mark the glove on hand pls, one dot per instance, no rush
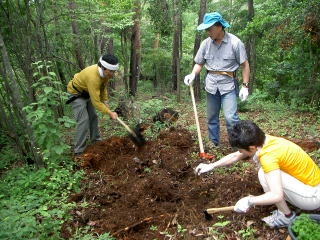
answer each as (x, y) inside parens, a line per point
(244, 93)
(188, 80)
(242, 205)
(203, 168)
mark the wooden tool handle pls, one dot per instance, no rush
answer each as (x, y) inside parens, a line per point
(222, 209)
(196, 118)
(127, 127)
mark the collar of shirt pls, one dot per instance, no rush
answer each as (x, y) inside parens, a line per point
(225, 38)
(255, 157)
(101, 72)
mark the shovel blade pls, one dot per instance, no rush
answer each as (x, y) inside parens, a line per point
(137, 138)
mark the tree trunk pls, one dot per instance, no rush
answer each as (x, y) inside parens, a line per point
(76, 38)
(40, 30)
(135, 59)
(250, 47)
(13, 119)
(197, 42)
(105, 45)
(25, 50)
(156, 41)
(124, 47)
(156, 46)
(176, 48)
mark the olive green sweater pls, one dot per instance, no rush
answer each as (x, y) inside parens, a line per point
(89, 80)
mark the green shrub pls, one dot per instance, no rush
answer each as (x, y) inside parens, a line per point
(42, 114)
(34, 203)
(306, 228)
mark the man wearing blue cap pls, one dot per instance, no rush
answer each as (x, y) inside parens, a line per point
(221, 53)
(87, 92)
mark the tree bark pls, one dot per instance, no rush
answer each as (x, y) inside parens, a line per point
(156, 41)
(197, 42)
(13, 119)
(105, 45)
(156, 46)
(76, 34)
(25, 50)
(176, 48)
(250, 47)
(126, 57)
(135, 58)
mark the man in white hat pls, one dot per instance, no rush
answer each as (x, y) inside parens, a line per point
(88, 91)
(221, 54)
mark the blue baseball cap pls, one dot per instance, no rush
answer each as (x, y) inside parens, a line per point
(211, 18)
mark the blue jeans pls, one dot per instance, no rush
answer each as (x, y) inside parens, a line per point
(228, 102)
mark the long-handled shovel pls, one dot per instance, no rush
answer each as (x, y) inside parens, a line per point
(202, 153)
(135, 136)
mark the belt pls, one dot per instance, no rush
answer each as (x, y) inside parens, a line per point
(74, 87)
(82, 94)
(229, 74)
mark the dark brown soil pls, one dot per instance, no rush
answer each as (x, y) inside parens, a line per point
(153, 193)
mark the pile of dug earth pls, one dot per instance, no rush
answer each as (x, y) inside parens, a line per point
(152, 192)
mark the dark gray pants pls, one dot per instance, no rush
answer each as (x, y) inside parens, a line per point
(87, 123)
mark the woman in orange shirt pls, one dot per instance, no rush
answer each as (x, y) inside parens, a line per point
(286, 173)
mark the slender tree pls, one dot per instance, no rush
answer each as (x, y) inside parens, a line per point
(126, 57)
(76, 33)
(135, 58)
(250, 46)
(176, 47)
(197, 42)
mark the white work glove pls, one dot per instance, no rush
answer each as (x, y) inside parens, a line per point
(188, 80)
(244, 93)
(203, 168)
(243, 205)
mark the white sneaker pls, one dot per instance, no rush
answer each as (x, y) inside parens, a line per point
(278, 219)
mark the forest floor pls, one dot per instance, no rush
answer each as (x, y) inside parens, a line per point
(152, 192)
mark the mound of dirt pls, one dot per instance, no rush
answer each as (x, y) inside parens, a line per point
(152, 193)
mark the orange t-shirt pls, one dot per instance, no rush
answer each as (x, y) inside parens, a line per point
(279, 153)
